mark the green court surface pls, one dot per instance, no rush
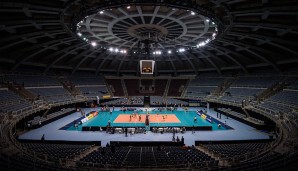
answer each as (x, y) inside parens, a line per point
(186, 119)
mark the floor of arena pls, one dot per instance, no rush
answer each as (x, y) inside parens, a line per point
(53, 130)
(176, 118)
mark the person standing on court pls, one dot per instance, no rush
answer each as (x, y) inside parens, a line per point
(109, 122)
(195, 119)
(182, 140)
(193, 129)
(125, 132)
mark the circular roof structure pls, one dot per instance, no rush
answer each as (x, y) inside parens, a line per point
(154, 27)
(181, 36)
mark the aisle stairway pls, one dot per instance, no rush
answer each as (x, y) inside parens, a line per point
(146, 101)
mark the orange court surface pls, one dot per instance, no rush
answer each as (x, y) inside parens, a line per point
(153, 118)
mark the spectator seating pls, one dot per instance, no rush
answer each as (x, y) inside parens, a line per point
(26, 162)
(284, 101)
(160, 89)
(238, 94)
(146, 157)
(269, 161)
(147, 83)
(115, 86)
(236, 91)
(103, 156)
(126, 101)
(52, 94)
(292, 82)
(32, 80)
(55, 152)
(256, 81)
(11, 102)
(88, 79)
(93, 91)
(286, 97)
(236, 149)
(274, 108)
(132, 87)
(152, 88)
(207, 81)
(232, 99)
(199, 91)
(158, 100)
(177, 87)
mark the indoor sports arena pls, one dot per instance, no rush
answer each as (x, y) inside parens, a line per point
(162, 85)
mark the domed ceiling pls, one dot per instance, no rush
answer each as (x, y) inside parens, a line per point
(111, 37)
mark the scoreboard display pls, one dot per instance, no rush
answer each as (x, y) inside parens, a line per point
(147, 67)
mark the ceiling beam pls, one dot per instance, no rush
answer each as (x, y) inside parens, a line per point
(41, 50)
(246, 48)
(65, 54)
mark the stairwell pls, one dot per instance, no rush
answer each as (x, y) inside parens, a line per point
(70, 87)
(147, 101)
(124, 88)
(245, 111)
(271, 91)
(72, 161)
(21, 91)
(185, 88)
(223, 87)
(167, 88)
(221, 162)
(108, 87)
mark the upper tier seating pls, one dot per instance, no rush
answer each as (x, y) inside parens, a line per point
(254, 81)
(87, 80)
(177, 87)
(32, 80)
(115, 86)
(274, 108)
(238, 94)
(160, 87)
(287, 97)
(234, 91)
(292, 82)
(207, 81)
(53, 94)
(199, 91)
(93, 91)
(132, 87)
(11, 102)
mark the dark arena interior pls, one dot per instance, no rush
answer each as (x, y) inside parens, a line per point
(148, 85)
